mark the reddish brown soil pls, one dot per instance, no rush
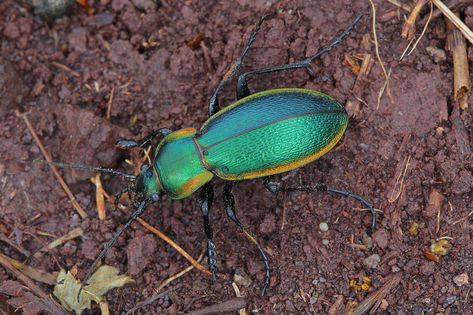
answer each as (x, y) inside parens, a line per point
(169, 84)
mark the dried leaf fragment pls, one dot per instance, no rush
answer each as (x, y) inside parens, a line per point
(104, 279)
(440, 247)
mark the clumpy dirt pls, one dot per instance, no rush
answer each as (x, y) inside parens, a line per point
(161, 61)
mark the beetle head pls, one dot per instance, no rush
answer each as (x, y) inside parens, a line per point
(146, 185)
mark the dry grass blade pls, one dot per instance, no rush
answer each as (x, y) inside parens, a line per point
(48, 158)
(463, 219)
(399, 185)
(376, 45)
(69, 236)
(455, 20)
(35, 274)
(461, 76)
(372, 301)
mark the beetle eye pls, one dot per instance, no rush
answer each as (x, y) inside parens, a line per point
(149, 173)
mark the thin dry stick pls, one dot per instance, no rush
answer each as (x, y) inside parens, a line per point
(181, 251)
(56, 309)
(372, 301)
(179, 274)
(65, 68)
(461, 77)
(48, 158)
(165, 238)
(376, 45)
(455, 20)
(110, 102)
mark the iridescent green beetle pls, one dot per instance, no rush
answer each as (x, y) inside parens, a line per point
(261, 134)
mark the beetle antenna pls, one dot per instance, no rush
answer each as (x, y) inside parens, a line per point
(140, 209)
(90, 168)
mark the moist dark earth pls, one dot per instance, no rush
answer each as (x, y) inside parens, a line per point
(161, 60)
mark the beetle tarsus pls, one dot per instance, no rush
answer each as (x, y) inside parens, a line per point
(233, 70)
(205, 201)
(274, 187)
(229, 203)
(360, 199)
(242, 81)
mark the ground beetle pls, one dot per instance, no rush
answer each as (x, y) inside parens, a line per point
(261, 134)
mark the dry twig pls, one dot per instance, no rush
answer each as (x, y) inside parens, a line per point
(178, 248)
(461, 77)
(455, 20)
(48, 158)
(420, 37)
(409, 28)
(69, 236)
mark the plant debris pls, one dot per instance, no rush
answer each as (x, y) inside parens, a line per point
(103, 280)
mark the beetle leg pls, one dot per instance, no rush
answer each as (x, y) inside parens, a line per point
(234, 68)
(242, 89)
(129, 143)
(275, 187)
(205, 201)
(229, 203)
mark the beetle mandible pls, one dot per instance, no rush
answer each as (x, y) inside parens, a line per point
(259, 135)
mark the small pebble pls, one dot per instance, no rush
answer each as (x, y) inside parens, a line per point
(461, 279)
(437, 54)
(325, 242)
(323, 226)
(242, 279)
(451, 299)
(384, 305)
(372, 261)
